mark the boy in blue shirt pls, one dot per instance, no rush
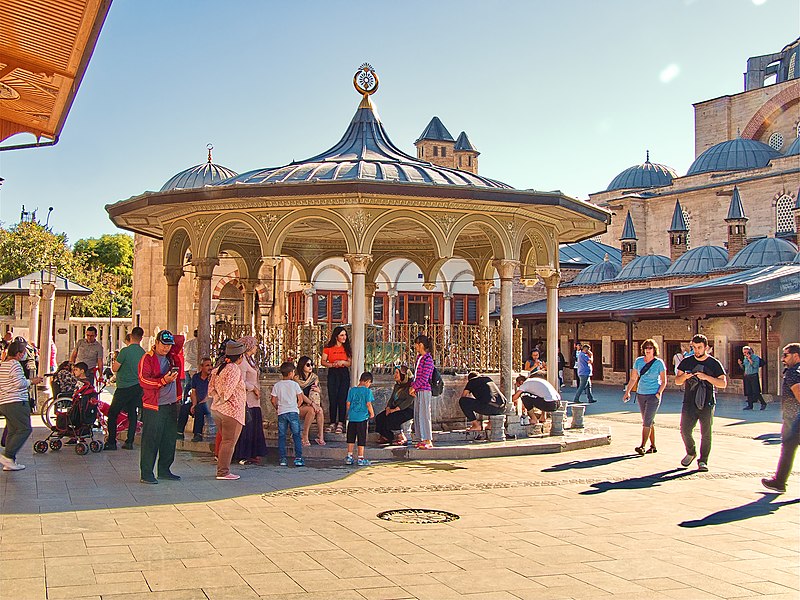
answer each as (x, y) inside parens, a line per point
(359, 412)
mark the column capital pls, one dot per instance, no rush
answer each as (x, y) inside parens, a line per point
(483, 285)
(48, 291)
(205, 266)
(551, 278)
(358, 262)
(173, 274)
(308, 289)
(392, 293)
(271, 261)
(34, 300)
(249, 285)
(429, 285)
(505, 267)
(370, 288)
(448, 295)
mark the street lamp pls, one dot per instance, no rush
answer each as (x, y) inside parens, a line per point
(110, 321)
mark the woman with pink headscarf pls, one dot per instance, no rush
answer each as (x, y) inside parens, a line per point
(251, 445)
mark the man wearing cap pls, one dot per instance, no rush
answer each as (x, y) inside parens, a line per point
(157, 376)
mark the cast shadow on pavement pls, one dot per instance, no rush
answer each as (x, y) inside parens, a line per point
(588, 464)
(769, 439)
(638, 483)
(759, 508)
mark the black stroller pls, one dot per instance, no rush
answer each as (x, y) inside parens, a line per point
(75, 418)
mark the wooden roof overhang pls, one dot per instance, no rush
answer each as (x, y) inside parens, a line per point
(45, 47)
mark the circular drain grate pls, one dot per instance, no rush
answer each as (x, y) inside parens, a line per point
(419, 516)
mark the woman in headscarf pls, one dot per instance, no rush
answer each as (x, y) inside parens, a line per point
(228, 390)
(251, 445)
(399, 409)
(311, 409)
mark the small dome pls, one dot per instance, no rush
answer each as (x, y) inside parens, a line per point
(733, 155)
(199, 176)
(642, 176)
(794, 148)
(765, 252)
(641, 267)
(602, 271)
(797, 259)
(699, 261)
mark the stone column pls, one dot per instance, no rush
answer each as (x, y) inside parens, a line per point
(505, 268)
(173, 275)
(308, 294)
(48, 302)
(551, 280)
(392, 293)
(250, 303)
(205, 271)
(483, 285)
(358, 268)
(33, 321)
(369, 314)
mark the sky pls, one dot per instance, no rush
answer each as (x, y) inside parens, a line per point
(556, 95)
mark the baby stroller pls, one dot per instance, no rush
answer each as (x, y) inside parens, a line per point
(74, 418)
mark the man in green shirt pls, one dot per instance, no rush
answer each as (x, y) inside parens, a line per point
(128, 395)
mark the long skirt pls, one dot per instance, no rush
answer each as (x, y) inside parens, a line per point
(251, 442)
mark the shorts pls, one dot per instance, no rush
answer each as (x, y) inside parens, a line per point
(530, 401)
(357, 431)
(648, 406)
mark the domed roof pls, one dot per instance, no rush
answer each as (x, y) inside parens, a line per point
(602, 271)
(699, 261)
(733, 155)
(642, 176)
(365, 153)
(199, 176)
(641, 267)
(794, 148)
(765, 252)
(797, 259)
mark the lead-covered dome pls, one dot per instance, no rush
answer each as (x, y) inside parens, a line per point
(642, 267)
(764, 253)
(699, 261)
(733, 155)
(645, 175)
(794, 148)
(593, 274)
(199, 176)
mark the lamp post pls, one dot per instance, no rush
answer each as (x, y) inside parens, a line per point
(33, 325)
(110, 325)
(48, 306)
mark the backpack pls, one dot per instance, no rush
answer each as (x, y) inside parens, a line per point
(437, 383)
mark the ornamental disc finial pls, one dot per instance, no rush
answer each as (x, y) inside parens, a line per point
(366, 80)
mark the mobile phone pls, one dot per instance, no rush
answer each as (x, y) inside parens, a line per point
(174, 370)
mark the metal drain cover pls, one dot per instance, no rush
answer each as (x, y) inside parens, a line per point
(419, 516)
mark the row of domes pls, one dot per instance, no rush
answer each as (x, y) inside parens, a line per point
(732, 155)
(697, 261)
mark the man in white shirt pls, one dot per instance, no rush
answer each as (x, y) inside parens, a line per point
(537, 392)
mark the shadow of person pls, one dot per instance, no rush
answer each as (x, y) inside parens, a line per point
(588, 464)
(769, 439)
(759, 508)
(638, 483)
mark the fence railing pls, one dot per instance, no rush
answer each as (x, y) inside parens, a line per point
(458, 347)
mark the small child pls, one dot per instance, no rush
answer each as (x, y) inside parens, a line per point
(286, 398)
(359, 412)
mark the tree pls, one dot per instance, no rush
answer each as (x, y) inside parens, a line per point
(29, 247)
(106, 265)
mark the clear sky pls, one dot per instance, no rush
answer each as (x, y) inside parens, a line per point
(555, 94)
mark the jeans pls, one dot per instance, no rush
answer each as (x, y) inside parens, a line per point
(422, 415)
(18, 426)
(129, 401)
(690, 415)
(200, 413)
(229, 430)
(790, 438)
(289, 420)
(338, 386)
(159, 432)
(469, 406)
(585, 384)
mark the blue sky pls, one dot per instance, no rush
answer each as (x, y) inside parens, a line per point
(555, 94)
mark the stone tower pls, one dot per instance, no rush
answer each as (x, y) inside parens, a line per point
(678, 231)
(628, 239)
(737, 224)
(436, 145)
(466, 156)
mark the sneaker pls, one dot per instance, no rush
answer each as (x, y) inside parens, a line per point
(149, 480)
(774, 485)
(592, 401)
(299, 462)
(363, 462)
(170, 476)
(13, 466)
(349, 460)
(127, 446)
(180, 436)
(110, 446)
(748, 408)
(687, 460)
(701, 466)
(283, 463)
(197, 438)
(5, 461)
(764, 406)
(228, 477)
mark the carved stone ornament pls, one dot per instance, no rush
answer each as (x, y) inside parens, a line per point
(505, 268)
(358, 262)
(446, 221)
(268, 220)
(360, 221)
(200, 224)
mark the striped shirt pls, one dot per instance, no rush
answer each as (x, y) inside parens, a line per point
(13, 385)
(423, 372)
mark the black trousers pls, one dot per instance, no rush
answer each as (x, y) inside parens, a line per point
(472, 405)
(338, 386)
(752, 389)
(127, 400)
(690, 415)
(159, 433)
(357, 431)
(790, 439)
(530, 401)
(386, 425)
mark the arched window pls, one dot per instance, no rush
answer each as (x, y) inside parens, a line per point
(688, 228)
(784, 217)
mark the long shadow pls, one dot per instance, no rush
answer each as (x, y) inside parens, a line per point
(760, 508)
(638, 483)
(769, 439)
(588, 464)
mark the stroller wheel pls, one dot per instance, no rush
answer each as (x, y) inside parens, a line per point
(55, 445)
(95, 446)
(40, 447)
(81, 448)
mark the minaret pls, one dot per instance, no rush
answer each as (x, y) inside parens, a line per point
(628, 239)
(796, 212)
(678, 231)
(436, 145)
(737, 224)
(466, 156)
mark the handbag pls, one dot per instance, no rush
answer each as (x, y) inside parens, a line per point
(641, 374)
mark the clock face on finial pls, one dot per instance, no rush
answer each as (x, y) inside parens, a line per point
(7, 92)
(366, 80)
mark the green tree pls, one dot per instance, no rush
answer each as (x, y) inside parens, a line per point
(29, 247)
(106, 266)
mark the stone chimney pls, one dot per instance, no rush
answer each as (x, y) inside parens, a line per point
(436, 145)
(678, 233)
(628, 239)
(737, 224)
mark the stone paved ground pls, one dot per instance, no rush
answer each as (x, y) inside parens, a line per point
(595, 523)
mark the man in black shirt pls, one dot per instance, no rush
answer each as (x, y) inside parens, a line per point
(481, 395)
(790, 431)
(700, 374)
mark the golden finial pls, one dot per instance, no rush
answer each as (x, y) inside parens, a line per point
(366, 83)
(210, 148)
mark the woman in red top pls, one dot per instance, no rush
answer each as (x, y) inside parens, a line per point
(337, 356)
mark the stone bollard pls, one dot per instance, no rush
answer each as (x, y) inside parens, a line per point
(498, 431)
(557, 425)
(578, 410)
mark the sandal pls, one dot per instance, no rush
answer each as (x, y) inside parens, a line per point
(424, 446)
(320, 441)
(329, 428)
(651, 450)
(339, 428)
(639, 450)
(306, 443)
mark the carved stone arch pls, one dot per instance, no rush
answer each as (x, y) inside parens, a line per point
(385, 276)
(303, 268)
(421, 219)
(232, 278)
(538, 247)
(331, 267)
(283, 226)
(780, 102)
(178, 238)
(247, 262)
(379, 261)
(481, 267)
(215, 232)
(497, 235)
(467, 274)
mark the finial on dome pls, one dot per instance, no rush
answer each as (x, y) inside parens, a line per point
(647, 159)
(606, 258)
(210, 148)
(366, 83)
